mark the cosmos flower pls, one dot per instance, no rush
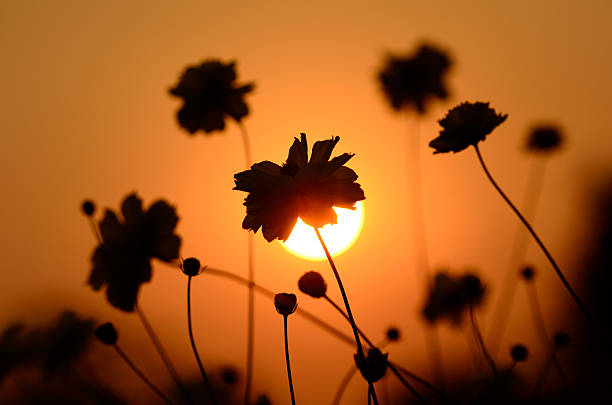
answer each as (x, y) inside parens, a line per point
(451, 296)
(210, 94)
(313, 284)
(410, 82)
(544, 138)
(107, 334)
(374, 366)
(191, 267)
(285, 303)
(465, 125)
(122, 261)
(302, 188)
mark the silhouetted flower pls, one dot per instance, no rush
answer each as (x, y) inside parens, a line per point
(210, 94)
(107, 334)
(313, 284)
(451, 296)
(465, 125)
(123, 260)
(229, 375)
(303, 188)
(262, 400)
(374, 366)
(285, 304)
(544, 138)
(191, 266)
(519, 352)
(561, 340)
(393, 334)
(410, 82)
(13, 352)
(528, 273)
(88, 208)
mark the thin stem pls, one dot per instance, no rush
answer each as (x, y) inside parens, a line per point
(343, 384)
(193, 345)
(162, 352)
(406, 383)
(337, 308)
(480, 341)
(396, 369)
(369, 395)
(505, 298)
(251, 269)
(288, 363)
(94, 229)
(535, 236)
(141, 375)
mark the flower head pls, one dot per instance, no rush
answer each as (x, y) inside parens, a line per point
(302, 188)
(519, 352)
(285, 304)
(122, 261)
(191, 267)
(544, 138)
(410, 82)
(88, 207)
(374, 366)
(107, 334)
(465, 125)
(393, 334)
(313, 284)
(528, 273)
(210, 94)
(451, 296)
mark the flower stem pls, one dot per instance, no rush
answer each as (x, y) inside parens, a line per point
(141, 375)
(505, 299)
(162, 352)
(360, 353)
(213, 400)
(251, 269)
(535, 236)
(288, 363)
(480, 341)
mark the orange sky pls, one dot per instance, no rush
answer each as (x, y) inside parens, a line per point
(85, 113)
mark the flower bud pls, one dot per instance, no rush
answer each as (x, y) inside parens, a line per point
(528, 273)
(88, 208)
(374, 366)
(107, 334)
(312, 283)
(393, 334)
(561, 340)
(285, 303)
(191, 266)
(519, 352)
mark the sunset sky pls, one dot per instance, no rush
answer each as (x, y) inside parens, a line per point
(86, 113)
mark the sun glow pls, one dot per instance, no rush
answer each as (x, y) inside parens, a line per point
(303, 241)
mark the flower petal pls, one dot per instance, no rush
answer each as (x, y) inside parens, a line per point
(298, 156)
(110, 227)
(322, 150)
(131, 208)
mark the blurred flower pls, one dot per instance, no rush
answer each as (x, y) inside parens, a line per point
(107, 334)
(302, 188)
(465, 125)
(285, 304)
(519, 352)
(451, 296)
(13, 352)
(544, 138)
(313, 284)
(528, 273)
(393, 334)
(410, 82)
(123, 260)
(262, 400)
(374, 366)
(210, 93)
(191, 266)
(88, 208)
(561, 340)
(229, 375)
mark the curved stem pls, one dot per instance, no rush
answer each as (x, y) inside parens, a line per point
(480, 341)
(505, 299)
(343, 384)
(141, 375)
(162, 352)
(251, 294)
(193, 345)
(288, 363)
(535, 236)
(360, 353)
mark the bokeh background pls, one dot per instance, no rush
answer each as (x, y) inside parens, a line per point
(85, 113)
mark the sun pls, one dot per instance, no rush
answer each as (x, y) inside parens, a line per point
(303, 241)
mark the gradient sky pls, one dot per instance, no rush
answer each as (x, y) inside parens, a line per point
(85, 113)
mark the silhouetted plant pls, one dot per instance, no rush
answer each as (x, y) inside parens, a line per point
(519, 352)
(210, 94)
(411, 82)
(122, 261)
(466, 125)
(561, 340)
(301, 187)
(393, 334)
(451, 297)
(312, 283)
(544, 139)
(285, 305)
(374, 366)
